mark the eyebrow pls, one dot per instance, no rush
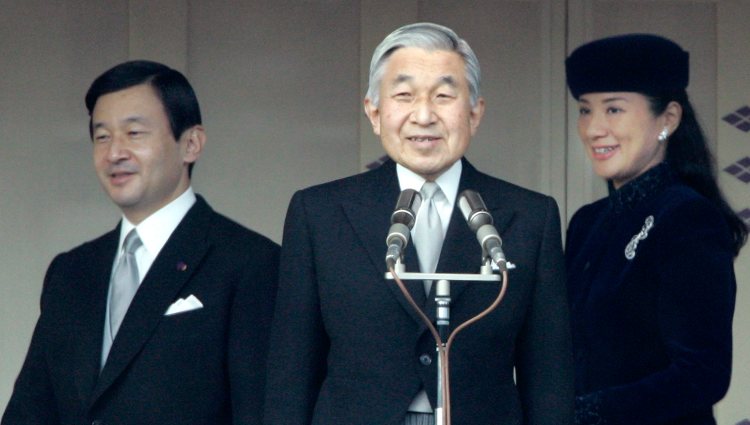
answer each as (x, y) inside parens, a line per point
(449, 80)
(614, 98)
(134, 119)
(401, 78)
(446, 79)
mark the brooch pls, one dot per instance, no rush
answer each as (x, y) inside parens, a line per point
(643, 234)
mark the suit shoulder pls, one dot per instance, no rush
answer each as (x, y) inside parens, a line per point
(322, 196)
(588, 211)
(346, 184)
(511, 192)
(681, 207)
(229, 232)
(681, 196)
(89, 247)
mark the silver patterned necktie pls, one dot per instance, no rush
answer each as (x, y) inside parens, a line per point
(125, 282)
(428, 231)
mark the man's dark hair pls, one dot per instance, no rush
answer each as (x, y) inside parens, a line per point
(174, 90)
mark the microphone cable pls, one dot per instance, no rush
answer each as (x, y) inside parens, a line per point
(444, 349)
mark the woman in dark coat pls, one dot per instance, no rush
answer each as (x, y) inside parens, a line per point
(650, 268)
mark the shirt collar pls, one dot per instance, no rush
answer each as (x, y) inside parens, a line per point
(156, 229)
(448, 181)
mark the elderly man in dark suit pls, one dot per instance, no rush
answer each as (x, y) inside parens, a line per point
(163, 320)
(345, 346)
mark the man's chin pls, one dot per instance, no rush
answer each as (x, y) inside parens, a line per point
(428, 172)
(124, 202)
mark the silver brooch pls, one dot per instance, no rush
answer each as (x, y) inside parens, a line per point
(643, 234)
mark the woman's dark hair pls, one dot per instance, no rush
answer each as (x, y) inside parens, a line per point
(689, 157)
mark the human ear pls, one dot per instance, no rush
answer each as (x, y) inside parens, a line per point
(475, 117)
(194, 139)
(672, 116)
(373, 114)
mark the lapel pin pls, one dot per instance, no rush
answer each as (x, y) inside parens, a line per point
(181, 266)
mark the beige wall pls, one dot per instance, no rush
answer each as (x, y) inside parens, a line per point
(716, 34)
(281, 84)
(733, 91)
(50, 198)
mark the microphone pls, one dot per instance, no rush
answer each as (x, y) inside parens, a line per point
(402, 220)
(480, 222)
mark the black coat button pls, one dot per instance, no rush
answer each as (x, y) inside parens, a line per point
(425, 359)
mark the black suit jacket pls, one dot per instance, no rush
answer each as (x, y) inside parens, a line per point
(346, 348)
(204, 366)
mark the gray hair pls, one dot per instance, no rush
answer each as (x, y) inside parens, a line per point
(427, 36)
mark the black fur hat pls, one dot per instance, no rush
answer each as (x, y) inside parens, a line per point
(643, 63)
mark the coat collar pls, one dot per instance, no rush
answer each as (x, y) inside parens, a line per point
(640, 189)
(369, 217)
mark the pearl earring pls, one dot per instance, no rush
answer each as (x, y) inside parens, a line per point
(663, 135)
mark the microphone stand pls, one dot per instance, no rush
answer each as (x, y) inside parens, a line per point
(442, 315)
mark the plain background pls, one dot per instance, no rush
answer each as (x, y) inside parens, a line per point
(281, 84)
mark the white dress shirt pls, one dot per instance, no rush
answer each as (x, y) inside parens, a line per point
(154, 232)
(448, 182)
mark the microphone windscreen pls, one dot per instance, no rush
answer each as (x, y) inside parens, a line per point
(407, 205)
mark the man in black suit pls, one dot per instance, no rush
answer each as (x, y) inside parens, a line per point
(172, 327)
(345, 346)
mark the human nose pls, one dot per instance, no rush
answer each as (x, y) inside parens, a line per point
(592, 126)
(423, 113)
(118, 149)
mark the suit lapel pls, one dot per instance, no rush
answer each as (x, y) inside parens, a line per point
(95, 283)
(173, 267)
(493, 197)
(461, 252)
(369, 216)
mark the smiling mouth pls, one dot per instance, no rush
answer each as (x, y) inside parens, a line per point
(120, 177)
(604, 150)
(422, 139)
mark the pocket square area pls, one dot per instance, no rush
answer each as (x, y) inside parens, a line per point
(184, 304)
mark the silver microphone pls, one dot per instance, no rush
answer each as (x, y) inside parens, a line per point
(480, 222)
(402, 220)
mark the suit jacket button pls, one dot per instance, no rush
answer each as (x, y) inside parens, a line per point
(96, 422)
(425, 359)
